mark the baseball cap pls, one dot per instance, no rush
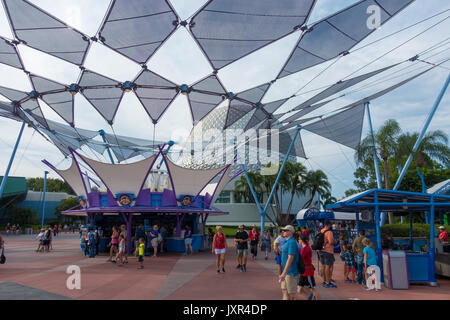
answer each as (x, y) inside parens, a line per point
(288, 228)
(241, 226)
(441, 227)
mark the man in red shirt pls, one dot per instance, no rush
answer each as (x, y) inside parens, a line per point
(326, 256)
(443, 236)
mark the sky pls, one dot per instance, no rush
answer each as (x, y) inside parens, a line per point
(181, 61)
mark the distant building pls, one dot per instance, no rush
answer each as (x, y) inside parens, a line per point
(16, 190)
(247, 213)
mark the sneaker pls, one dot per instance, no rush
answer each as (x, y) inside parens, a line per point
(325, 285)
(185, 254)
(242, 268)
(218, 270)
(377, 290)
(223, 270)
(245, 268)
(310, 296)
(238, 266)
(333, 281)
(367, 288)
(113, 261)
(266, 258)
(109, 260)
(348, 281)
(126, 262)
(331, 285)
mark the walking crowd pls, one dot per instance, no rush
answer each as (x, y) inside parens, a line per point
(293, 251)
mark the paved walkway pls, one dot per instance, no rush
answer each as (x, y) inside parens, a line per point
(31, 275)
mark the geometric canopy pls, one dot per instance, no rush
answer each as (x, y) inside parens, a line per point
(221, 32)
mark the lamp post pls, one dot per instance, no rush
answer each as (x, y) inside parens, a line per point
(43, 199)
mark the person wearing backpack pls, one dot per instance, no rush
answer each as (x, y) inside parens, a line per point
(324, 242)
(289, 261)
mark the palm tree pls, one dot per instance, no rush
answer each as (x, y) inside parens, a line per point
(241, 186)
(434, 146)
(296, 177)
(386, 146)
(316, 181)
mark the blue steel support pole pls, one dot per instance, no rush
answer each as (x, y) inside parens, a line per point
(43, 199)
(378, 231)
(411, 240)
(423, 191)
(5, 176)
(431, 267)
(282, 167)
(102, 133)
(252, 190)
(375, 158)
(422, 133)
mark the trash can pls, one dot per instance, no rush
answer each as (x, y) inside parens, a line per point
(395, 270)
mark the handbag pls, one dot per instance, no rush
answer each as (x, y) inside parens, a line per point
(2, 258)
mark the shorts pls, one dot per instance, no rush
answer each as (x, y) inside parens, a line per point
(290, 284)
(307, 281)
(347, 269)
(220, 251)
(188, 241)
(242, 252)
(326, 258)
(154, 242)
(278, 258)
(140, 258)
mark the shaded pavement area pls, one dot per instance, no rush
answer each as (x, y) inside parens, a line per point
(31, 275)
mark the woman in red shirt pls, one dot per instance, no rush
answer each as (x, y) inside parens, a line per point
(254, 241)
(219, 248)
(307, 278)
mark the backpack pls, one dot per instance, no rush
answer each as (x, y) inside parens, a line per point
(319, 241)
(300, 264)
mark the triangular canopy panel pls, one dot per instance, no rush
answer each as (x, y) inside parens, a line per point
(62, 103)
(202, 104)
(43, 32)
(341, 85)
(344, 127)
(336, 35)
(254, 95)
(124, 27)
(156, 100)
(90, 78)
(8, 54)
(12, 94)
(105, 100)
(43, 85)
(73, 178)
(210, 84)
(230, 29)
(149, 78)
(236, 111)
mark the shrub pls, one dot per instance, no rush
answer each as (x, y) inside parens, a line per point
(402, 230)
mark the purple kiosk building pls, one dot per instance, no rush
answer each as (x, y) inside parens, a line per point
(131, 193)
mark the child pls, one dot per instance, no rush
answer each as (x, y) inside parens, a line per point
(370, 260)
(119, 255)
(350, 264)
(307, 278)
(140, 253)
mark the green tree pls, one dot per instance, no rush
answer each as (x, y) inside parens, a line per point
(434, 147)
(22, 216)
(65, 205)
(53, 185)
(316, 181)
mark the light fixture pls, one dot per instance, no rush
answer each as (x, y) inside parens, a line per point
(74, 89)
